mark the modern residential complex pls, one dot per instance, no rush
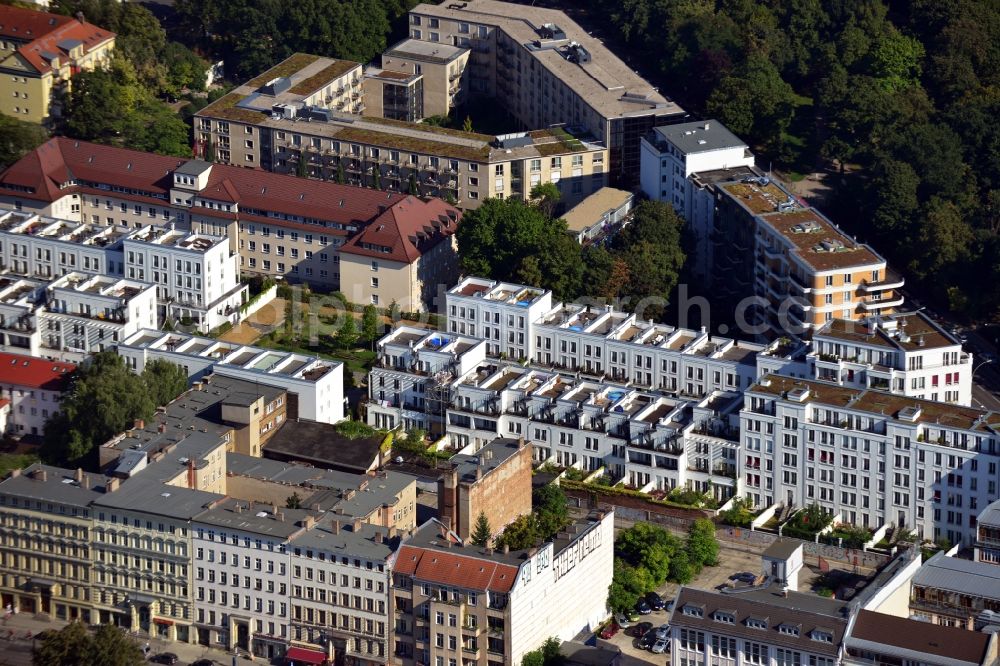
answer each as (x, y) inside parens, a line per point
(546, 70)
(255, 126)
(33, 388)
(192, 227)
(39, 55)
(457, 601)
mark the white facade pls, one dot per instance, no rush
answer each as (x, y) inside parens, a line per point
(562, 589)
(500, 312)
(318, 383)
(196, 275)
(872, 457)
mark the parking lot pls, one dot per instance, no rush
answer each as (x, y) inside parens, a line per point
(731, 561)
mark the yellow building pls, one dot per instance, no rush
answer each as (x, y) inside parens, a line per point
(39, 54)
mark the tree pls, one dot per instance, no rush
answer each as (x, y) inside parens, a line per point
(754, 101)
(549, 505)
(73, 645)
(650, 548)
(369, 323)
(467, 124)
(702, 547)
(99, 102)
(18, 138)
(412, 187)
(522, 533)
(164, 381)
(549, 654)
(682, 570)
(546, 196)
(293, 501)
(103, 398)
(628, 583)
(482, 533)
(347, 334)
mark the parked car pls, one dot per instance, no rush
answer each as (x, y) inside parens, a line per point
(165, 658)
(203, 662)
(744, 577)
(639, 630)
(623, 620)
(648, 640)
(609, 630)
(655, 601)
(661, 646)
(663, 632)
(643, 607)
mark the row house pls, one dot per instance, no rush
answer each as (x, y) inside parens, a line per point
(33, 387)
(870, 457)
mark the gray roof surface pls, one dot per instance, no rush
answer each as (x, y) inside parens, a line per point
(193, 167)
(346, 541)
(694, 138)
(249, 519)
(320, 443)
(145, 494)
(58, 487)
(782, 549)
(918, 641)
(977, 579)
(378, 491)
(488, 458)
(294, 474)
(419, 49)
(806, 611)
(991, 514)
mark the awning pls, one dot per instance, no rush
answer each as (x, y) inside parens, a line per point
(160, 620)
(299, 655)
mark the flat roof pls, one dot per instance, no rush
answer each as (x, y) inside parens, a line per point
(60, 485)
(429, 51)
(977, 579)
(320, 443)
(370, 542)
(150, 496)
(699, 137)
(605, 83)
(488, 458)
(239, 515)
(904, 331)
(589, 211)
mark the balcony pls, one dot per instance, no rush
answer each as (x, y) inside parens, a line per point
(871, 306)
(890, 282)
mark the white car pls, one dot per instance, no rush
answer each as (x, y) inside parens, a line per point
(660, 646)
(663, 632)
(623, 620)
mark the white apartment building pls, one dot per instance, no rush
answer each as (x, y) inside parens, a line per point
(196, 275)
(870, 457)
(446, 384)
(672, 159)
(340, 596)
(318, 384)
(72, 316)
(903, 353)
(500, 312)
(241, 577)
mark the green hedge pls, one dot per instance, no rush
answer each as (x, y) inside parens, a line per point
(597, 489)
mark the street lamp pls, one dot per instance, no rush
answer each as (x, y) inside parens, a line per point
(989, 360)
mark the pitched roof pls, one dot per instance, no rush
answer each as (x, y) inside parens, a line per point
(471, 573)
(60, 160)
(20, 370)
(406, 230)
(44, 36)
(923, 638)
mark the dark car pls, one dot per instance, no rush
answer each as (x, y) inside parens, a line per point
(648, 640)
(165, 658)
(203, 662)
(639, 630)
(745, 577)
(655, 601)
(643, 607)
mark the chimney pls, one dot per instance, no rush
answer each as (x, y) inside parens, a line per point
(190, 474)
(238, 508)
(78, 475)
(489, 551)
(274, 508)
(506, 549)
(479, 472)
(520, 443)
(139, 424)
(315, 506)
(391, 533)
(446, 521)
(162, 428)
(196, 386)
(707, 126)
(280, 516)
(308, 522)
(111, 485)
(14, 473)
(251, 505)
(335, 527)
(378, 537)
(356, 526)
(41, 475)
(85, 483)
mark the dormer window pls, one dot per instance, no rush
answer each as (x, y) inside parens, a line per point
(693, 611)
(822, 635)
(756, 622)
(725, 617)
(788, 629)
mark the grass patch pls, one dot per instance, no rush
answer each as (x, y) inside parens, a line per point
(9, 461)
(413, 144)
(225, 108)
(356, 360)
(286, 67)
(324, 76)
(432, 129)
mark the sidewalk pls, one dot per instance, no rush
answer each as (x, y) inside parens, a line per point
(186, 653)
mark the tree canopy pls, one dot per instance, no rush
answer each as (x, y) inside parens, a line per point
(73, 645)
(104, 398)
(549, 514)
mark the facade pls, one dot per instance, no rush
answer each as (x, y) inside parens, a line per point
(394, 95)
(954, 592)
(72, 316)
(764, 626)
(196, 275)
(39, 55)
(905, 353)
(46, 545)
(443, 67)
(456, 601)
(34, 388)
(341, 574)
(392, 156)
(870, 457)
(315, 386)
(987, 547)
(601, 214)
(495, 482)
(546, 70)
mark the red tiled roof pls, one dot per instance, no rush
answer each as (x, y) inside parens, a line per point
(61, 159)
(409, 228)
(41, 34)
(446, 568)
(19, 370)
